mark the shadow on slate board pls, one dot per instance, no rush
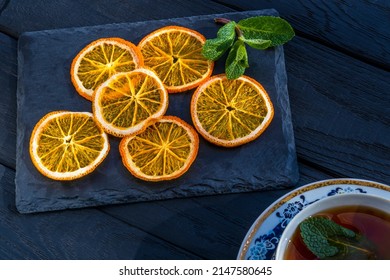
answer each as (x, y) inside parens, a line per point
(44, 85)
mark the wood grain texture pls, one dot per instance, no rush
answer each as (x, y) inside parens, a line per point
(78, 234)
(31, 15)
(154, 230)
(341, 111)
(358, 28)
(213, 227)
(8, 80)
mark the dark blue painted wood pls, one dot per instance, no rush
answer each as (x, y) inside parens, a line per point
(77, 234)
(213, 226)
(209, 227)
(341, 111)
(8, 81)
(358, 28)
(340, 114)
(32, 15)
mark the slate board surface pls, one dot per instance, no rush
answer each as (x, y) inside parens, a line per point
(44, 85)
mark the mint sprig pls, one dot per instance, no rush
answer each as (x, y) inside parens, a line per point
(329, 240)
(259, 32)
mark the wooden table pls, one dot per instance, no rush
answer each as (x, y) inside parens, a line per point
(338, 82)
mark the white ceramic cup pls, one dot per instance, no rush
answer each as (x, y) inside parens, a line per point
(383, 204)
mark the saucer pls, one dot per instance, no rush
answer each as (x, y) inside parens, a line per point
(262, 239)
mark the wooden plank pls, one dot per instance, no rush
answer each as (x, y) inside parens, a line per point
(341, 113)
(221, 222)
(78, 234)
(8, 73)
(29, 15)
(319, 78)
(359, 28)
(212, 227)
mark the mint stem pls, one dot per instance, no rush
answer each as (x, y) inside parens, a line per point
(222, 20)
(239, 32)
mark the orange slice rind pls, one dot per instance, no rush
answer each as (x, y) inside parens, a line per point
(101, 59)
(231, 113)
(165, 150)
(126, 102)
(175, 54)
(67, 145)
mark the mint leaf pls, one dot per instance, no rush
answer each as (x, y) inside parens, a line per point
(213, 49)
(259, 44)
(329, 240)
(236, 61)
(259, 32)
(274, 29)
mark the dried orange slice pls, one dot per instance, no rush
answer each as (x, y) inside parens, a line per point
(163, 151)
(101, 59)
(67, 145)
(126, 102)
(175, 54)
(230, 113)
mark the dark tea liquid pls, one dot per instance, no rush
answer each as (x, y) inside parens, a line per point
(367, 221)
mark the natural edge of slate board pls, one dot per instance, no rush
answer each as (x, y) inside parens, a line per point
(44, 59)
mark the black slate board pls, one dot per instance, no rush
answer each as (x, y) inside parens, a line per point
(44, 85)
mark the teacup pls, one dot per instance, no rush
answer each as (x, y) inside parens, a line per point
(371, 202)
